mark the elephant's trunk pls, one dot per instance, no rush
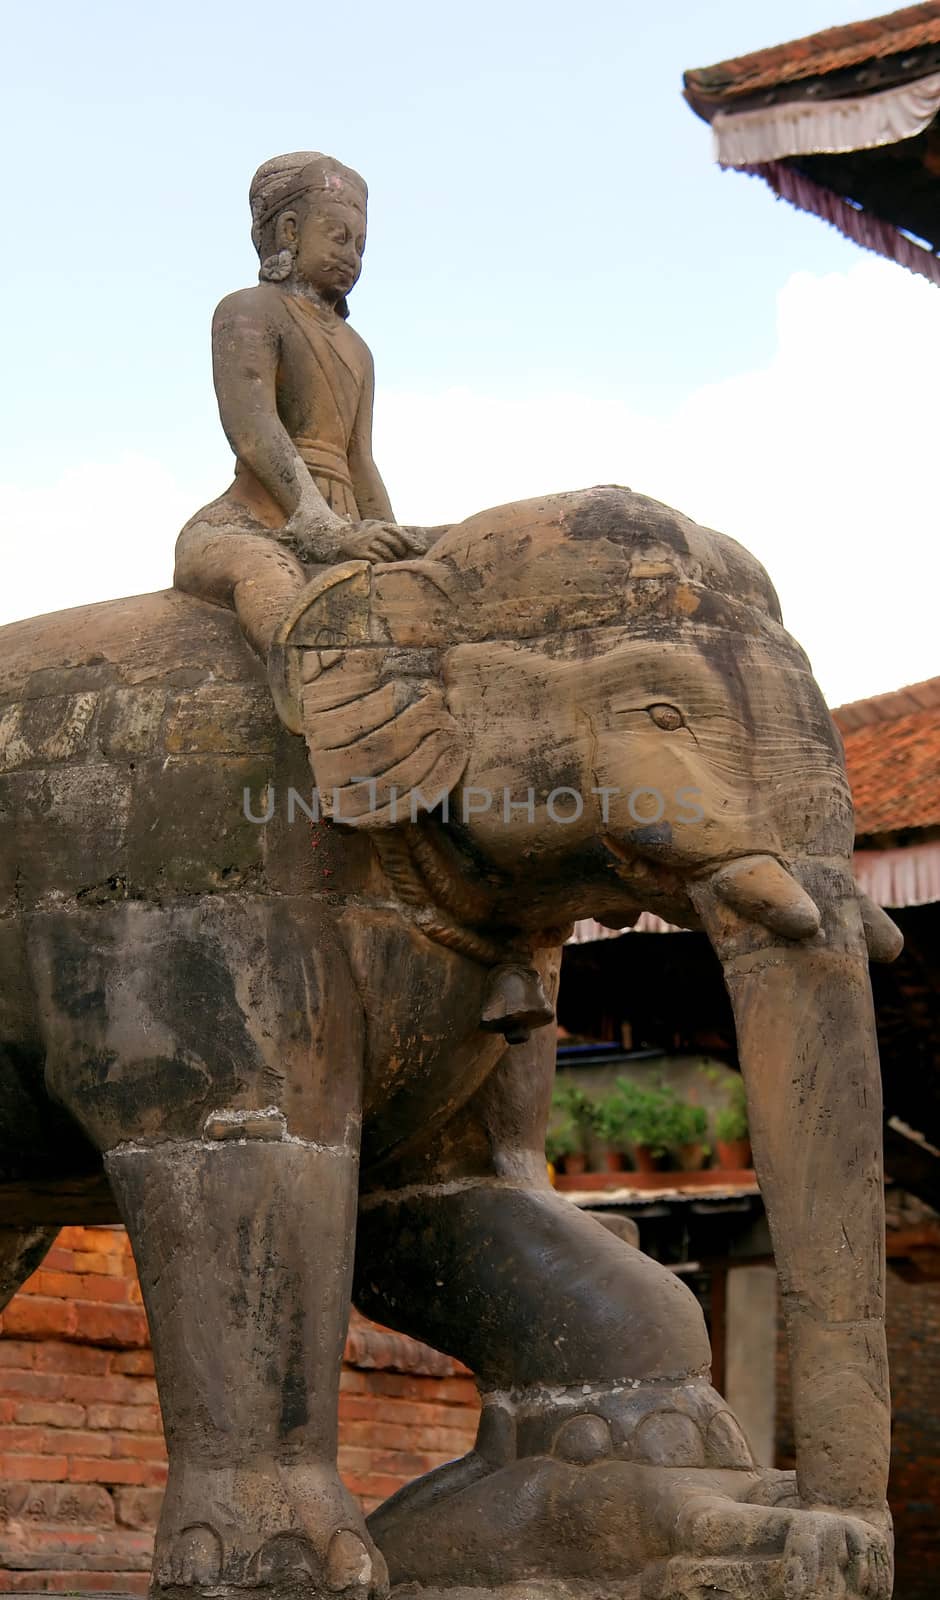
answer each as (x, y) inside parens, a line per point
(808, 1050)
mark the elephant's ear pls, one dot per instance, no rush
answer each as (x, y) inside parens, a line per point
(355, 668)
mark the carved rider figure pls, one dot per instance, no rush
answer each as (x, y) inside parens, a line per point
(295, 389)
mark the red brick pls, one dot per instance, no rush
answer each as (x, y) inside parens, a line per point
(137, 1362)
(106, 1241)
(72, 1238)
(111, 1325)
(7, 1410)
(73, 1504)
(61, 1285)
(404, 1464)
(404, 1386)
(138, 1446)
(28, 1440)
(43, 1468)
(39, 1385)
(77, 1442)
(34, 1316)
(392, 1435)
(85, 1469)
(50, 1413)
(135, 1419)
(57, 1357)
(87, 1261)
(96, 1287)
(373, 1485)
(59, 1259)
(16, 1353)
(112, 1390)
(138, 1508)
(53, 1582)
(82, 1549)
(432, 1414)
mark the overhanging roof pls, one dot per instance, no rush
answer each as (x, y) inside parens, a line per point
(877, 52)
(843, 124)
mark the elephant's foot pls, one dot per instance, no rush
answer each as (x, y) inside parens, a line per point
(772, 1551)
(278, 1530)
(610, 1529)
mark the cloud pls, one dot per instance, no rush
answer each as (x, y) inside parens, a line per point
(822, 463)
(101, 531)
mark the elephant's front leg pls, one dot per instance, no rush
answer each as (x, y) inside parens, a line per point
(467, 1247)
(584, 1347)
(242, 1248)
(220, 1075)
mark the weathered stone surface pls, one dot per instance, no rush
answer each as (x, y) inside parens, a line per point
(129, 722)
(36, 732)
(221, 719)
(66, 832)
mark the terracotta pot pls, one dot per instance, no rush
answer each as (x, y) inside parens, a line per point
(690, 1157)
(613, 1161)
(575, 1164)
(734, 1155)
(646, 1161)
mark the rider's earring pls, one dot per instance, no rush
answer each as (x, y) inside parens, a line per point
(274, 269)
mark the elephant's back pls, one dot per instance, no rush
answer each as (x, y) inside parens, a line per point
(130, 734)
(146, 638)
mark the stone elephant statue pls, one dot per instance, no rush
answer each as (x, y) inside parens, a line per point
(304, 1033)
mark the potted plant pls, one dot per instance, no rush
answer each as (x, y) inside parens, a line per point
(611, 1124)
(731, 1133)
(687, 1141)
(563, 1148)
(575, 1121)
(641, 1117)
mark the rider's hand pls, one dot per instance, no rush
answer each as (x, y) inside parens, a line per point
(378, 541)
(313, 536)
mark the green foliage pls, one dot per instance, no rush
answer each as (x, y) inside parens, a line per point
(690, 1123)
(580, 1108)
(656, 1118)
(562, 1139)
(573, 1120)
(731, 1120)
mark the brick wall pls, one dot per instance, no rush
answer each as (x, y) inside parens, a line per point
(82, 1459)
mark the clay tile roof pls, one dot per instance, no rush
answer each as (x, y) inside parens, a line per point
(818, 54)
(892, 750)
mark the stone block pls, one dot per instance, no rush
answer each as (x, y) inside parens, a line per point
(222, 719)
(37, 732)
(129, 722)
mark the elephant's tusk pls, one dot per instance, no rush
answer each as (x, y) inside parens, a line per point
(762, 890)
(884, 938)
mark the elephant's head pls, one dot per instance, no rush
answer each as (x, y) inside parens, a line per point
(607, 695)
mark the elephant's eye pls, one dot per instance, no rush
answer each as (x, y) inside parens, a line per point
(666, 716)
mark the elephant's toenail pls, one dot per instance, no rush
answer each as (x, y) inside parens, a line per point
(582, 1440)
(669, 1439)
(348, 1562)
(286, 1555)
(725, 1444)
(196, 1555)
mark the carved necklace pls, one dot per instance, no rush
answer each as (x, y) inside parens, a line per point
(425, 872)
